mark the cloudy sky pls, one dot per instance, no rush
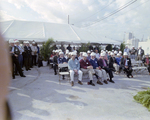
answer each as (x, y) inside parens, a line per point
(87, 14)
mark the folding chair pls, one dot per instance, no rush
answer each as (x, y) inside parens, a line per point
(66, 73)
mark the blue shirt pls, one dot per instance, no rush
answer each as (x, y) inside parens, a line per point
(89, 57)
(94, 63)
(73, 64)
(118, 60)
(61, 60)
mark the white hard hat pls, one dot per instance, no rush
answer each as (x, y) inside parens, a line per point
(27, 42)
(56, 51)
(24, 41)
(112, 50)
(106, 50)
(11, 41)
(67, 52)
(147, 54)
(33, 42)
(16, 41)
(53, 50)
(59, 50)
(132, 46)
(93, 54)
(111, 53)
(118, 54)
(73, 53)
(60, 53)
(88, 51)
(102, 54)
(125, 53)
(70, 53)
(84, 54)
(115, 52)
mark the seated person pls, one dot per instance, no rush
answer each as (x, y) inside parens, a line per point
(118, 59)
(86, 67)
(97, 69)
(80, 57)
(126, 65)
(74, 68)
(89, 57)
(113, 63)
(103, 64)
(62, 60)
(146, 61)
(67, 54)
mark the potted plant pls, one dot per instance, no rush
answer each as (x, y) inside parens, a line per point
(46, 50)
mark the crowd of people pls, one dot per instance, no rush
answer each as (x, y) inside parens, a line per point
(22, 56)
(102, 65)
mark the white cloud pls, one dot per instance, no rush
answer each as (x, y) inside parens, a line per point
(4, 16)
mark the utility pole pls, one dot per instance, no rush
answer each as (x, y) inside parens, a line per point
(68, 19)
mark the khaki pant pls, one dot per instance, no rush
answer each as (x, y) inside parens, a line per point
(104, 74)
(139, 57)
(89, 71)
(72, 75)
(116, 66)
(98, 72)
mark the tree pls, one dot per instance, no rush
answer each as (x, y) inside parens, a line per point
(122, 46)
(46, 49)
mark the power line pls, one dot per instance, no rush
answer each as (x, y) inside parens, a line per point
(97, 11)
(114, 12)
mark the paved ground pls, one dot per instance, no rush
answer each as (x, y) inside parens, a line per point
(39, 96)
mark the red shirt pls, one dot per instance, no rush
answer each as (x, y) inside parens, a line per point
(84, 64)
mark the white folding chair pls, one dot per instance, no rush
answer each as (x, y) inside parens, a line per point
(66, 73)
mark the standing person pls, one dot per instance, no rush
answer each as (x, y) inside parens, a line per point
(90, 47)
(102, 62)
(146, 61)
(62, 48)
(38, 52)
(20, 57)
(97, 54)
(55, 62)
(126, 50)
(86, 67)
(140, 53)
(126, 65)
(26, 57)
(74, 68)
(29, 52)
(69, 48)
(133, 53)
(14, 52)
(34, 52)
(80, 57)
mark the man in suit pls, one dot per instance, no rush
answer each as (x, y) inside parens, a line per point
(102, 62)
(55, 62)
(140, 53)
(34, 53)
(126, 65)
(146, 61)
(29, 50)
(113, 63)
(14, 52)
(86, 67)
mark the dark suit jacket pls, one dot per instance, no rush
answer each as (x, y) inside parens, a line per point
(16, 51)
(100, 63)
(142, 52)
(123, 62)
(144, 60)
(112, 60)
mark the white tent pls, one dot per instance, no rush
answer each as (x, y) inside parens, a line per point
(41, 31)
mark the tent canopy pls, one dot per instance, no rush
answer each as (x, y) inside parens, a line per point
(41, 31)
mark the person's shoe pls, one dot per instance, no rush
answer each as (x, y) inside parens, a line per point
(111, 81)
(16, 74)
(128, 76)
(80, 82)
(72, 83)
(131, 76)
(22, 69)
(26, 69)
(98, 82)
(149, 73)
(55, 73)
(105, 82)
(63, 78)
(14, 77)
(23, 76)
(29, 69)
(108, 79)
(89, 83)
